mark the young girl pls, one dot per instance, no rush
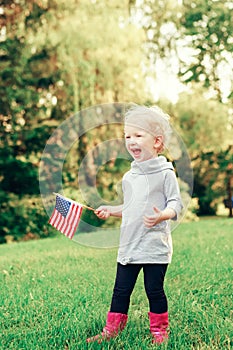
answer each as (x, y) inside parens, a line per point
(151, 199)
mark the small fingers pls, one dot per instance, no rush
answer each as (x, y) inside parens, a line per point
(156, 210)
(149, 221)
(102, 213)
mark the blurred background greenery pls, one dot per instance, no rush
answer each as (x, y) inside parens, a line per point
(59, 57)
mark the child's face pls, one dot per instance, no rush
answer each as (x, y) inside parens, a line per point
(139, 143)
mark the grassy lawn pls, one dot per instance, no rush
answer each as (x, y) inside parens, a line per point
(55, 293)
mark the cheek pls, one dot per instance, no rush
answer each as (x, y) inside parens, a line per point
(127, 145)
(149, 144)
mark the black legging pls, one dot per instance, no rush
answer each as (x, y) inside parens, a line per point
(126, 278)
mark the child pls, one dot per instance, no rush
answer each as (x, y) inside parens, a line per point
(151, 199)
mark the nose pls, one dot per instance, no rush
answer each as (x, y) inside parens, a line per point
(131, 141)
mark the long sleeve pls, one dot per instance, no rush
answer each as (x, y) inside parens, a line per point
(172, 193)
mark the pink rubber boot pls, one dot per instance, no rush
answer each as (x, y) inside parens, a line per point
(158, 327)
(115, 322)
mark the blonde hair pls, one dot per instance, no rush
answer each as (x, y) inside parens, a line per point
(151, 119)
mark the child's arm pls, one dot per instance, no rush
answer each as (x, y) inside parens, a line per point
(159, 216)
(173, 203)
(104, 211)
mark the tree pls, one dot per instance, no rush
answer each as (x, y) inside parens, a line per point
(206, 130)
(194, 38)
(208, 27)
(56, 59)
(27, 77)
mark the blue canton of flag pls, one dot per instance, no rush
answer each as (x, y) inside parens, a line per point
(62, 206)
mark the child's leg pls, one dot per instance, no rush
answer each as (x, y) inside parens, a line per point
(126, 278)
(117, 316)
(154, 275)
(154, 278)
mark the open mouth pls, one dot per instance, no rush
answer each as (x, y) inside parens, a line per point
(136, 152)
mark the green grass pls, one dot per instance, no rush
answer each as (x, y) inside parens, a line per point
(55, 293)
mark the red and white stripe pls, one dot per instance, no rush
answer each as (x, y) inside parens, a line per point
(67, 225)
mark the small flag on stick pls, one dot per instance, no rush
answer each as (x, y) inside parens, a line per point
(66, 215)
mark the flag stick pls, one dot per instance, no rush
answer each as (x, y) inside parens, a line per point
(83, 205)
(89, 208)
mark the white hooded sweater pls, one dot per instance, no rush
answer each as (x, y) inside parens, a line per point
(148, 184)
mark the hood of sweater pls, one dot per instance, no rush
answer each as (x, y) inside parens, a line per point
(151, 166)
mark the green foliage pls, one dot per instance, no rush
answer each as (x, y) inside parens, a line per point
(60, 57)
(19, 177)
(95, 71)
(213, 172)
(205, 127)
(56, 60)
(25, 78)
(203, 123)
(209, 26)
(23, 219)
(197, 35)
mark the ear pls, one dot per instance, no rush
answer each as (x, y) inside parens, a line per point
(158, 142)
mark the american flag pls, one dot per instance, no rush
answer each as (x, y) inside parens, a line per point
(66, 216)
